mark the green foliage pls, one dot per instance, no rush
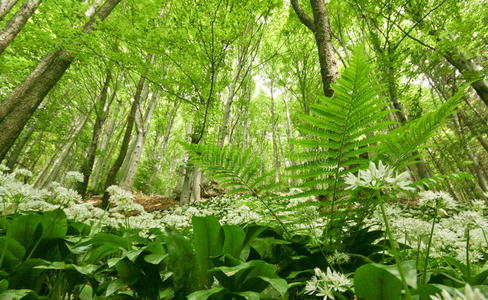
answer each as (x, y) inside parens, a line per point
(237, 170)
(341, 131)
(398, 145)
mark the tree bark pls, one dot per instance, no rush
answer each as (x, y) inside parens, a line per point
(320, 27)
(112, 174)
(51, 169)
(5, 7)
(468, 69)
(18, 107)
(101, 112)
(15, 25)
(15, 153)
(142, 126)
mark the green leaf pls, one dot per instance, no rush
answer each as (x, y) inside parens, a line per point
(11, 250)
(278, 284)
(3, 284)
(249, 295)
(372, 282)
(234, 240)
(207, 241)
(26, 230)
(113, 286)
(86, 293)
(14, 294)
(204, 294)
(54, 224)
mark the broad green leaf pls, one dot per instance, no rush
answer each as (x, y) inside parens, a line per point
(234, 239)
(278, 284)
(249, 295)
(14, 294)
(375, 283)
(204, 294)
(113, 286)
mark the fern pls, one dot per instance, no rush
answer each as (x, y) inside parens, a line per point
(238, 171)
(398, 146)
(235, 169)
(341, 130)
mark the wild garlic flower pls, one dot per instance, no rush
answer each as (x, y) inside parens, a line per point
(22, 172)
(74, 176)
(468, 294)
(325, 284)
(379, 177)
(4, 168)
(338, 258)
(436, 199)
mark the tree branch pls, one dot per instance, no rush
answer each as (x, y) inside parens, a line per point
(304, 18)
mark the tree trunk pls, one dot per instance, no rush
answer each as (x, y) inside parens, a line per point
(196, 185)
(51, 170)
(320, 27)
(5, 7)
(186, 182)
(18, 107)
(134, 159)
(468, 69)
(112, 174)
(15, 25)
(101, 112)
(15, 153)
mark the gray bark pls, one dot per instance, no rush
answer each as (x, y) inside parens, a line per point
(18, 107)
(51, 170)
(15, 25)
(5, 7)
(320, 27)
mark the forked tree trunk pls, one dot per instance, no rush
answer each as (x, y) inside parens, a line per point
(18, 107)
(134, 159)
(101, 112)
(112, 174)
(320, 27)
(15, 25)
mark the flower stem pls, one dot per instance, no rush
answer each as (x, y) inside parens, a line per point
(429, 244)
(393, 246)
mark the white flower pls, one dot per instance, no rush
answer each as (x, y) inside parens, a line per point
(74, 176)
(378, 177)
(338, 258)
(325, 284)
(468, 294)
(436, 199)
(22, 172)
(4, 168)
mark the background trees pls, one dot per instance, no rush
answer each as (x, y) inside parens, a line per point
(108, 88)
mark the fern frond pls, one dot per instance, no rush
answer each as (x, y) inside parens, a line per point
(234, 168)
(341, 130)
(440, 181)
(400, 144)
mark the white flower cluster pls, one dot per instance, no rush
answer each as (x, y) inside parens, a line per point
(436, 200)
(412, 227)
(74, 176)
(468, 294)
(325, 284)
(379, 177)
(123, 200)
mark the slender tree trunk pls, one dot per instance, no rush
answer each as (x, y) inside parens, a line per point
(320, 27)
(5, 7)
(186, 182)
(134, 159)
(15, 153)
(196, 185)
(470, 72)
(18, 107)
(274, 120)
(112, 174)
(51, 170)
(15, 25)
(101, 112)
